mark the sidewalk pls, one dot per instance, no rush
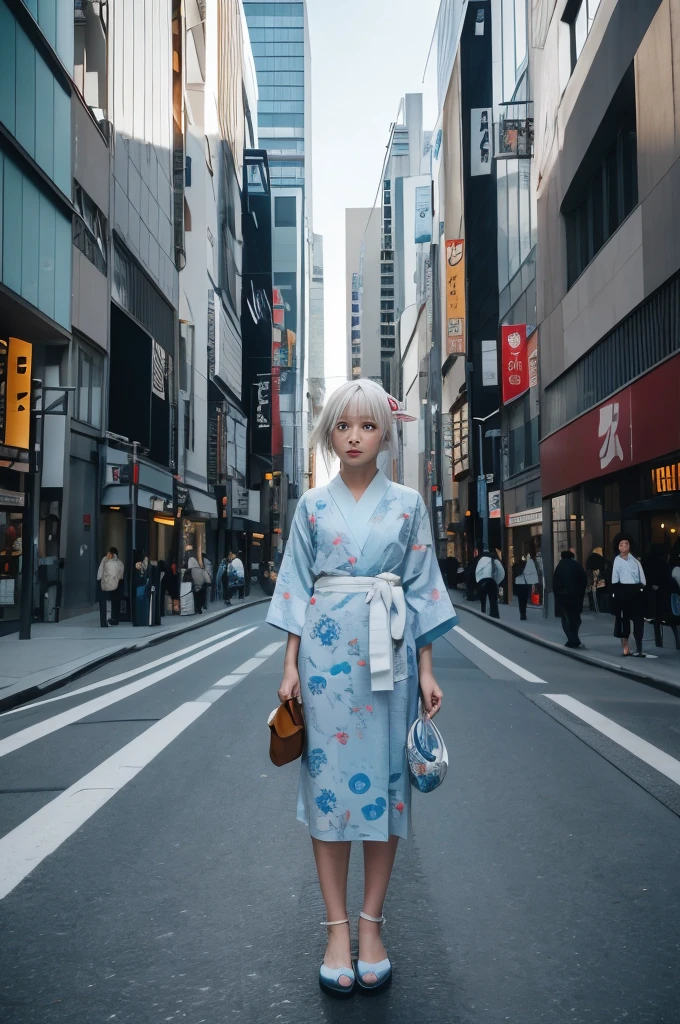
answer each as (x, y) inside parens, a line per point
(60, 651)
(661, 668)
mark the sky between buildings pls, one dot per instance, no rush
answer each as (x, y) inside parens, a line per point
(366, 54)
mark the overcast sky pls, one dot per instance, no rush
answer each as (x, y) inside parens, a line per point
(366, 54)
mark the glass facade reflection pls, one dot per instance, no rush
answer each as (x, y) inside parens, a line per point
(35, 108)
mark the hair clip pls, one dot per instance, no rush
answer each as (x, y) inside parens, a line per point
(397, 412)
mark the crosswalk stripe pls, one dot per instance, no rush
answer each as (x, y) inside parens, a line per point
(22, 849)
(90, 707)
(630, 741)
(111, 680)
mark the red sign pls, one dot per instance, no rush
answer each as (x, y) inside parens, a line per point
(636, 425)
(514, 361)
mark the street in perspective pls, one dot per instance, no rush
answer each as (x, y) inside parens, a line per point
(339, 511)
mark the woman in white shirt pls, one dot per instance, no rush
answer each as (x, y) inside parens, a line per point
(628, 587)
(489, 575)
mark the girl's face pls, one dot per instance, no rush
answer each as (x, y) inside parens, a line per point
(624, 547)
(356, 440)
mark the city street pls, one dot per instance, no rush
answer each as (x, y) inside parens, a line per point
(151, 867)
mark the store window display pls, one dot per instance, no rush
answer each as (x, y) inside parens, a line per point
(10, 564)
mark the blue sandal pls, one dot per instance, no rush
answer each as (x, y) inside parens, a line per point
(382, 970)
(329, 977)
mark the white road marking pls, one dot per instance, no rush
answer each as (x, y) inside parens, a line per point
(647, 752)
(90, 707)
(523, 673)
(111, 680)
(22, 849)
(235, 677)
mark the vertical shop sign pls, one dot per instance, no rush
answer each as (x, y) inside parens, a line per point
(423, 214)
(489, 364)
(514, 361)
(263, 402)
(15, 393)
(455, 297)
(532, 358)
(480, 141)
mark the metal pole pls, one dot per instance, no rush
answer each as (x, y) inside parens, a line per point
(28, 524)
(135, 445)
(484, 511)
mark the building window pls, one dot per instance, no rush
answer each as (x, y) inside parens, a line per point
(89, 394)
(595, 207)
(285, 212)
(89, 228)
(580, 15)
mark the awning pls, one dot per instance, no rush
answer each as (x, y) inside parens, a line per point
(201, 502)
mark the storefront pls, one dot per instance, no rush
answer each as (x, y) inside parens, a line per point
(617, 468)
(524, 540)
(11, 515)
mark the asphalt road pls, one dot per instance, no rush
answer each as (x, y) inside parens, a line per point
(151, 868)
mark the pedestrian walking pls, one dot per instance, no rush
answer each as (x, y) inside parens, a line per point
(659, 576)
(199, 581)
(222, 582)
(628, 592)
(237, 566)
(489, 574)
(595, 571)
(359, 569)
(569, 586)
(452, 565)
(525, 576)
(171, 590)
(110, 578)
(470, 579)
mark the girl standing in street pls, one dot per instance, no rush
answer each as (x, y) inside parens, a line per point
(362, 599)
(628, 588)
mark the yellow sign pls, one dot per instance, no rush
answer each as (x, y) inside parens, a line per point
(17, 419)
(455, 297)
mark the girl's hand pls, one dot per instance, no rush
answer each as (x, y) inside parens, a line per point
(431, 694)
(290, 685)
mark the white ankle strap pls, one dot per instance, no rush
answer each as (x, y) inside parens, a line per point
(329, 924)
(375, 920)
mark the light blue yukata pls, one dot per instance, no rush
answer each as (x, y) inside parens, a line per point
(354, 781)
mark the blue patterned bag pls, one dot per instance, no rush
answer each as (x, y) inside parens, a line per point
(427, 756)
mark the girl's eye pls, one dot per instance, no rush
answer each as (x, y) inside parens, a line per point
(341, 426)
(369, 426)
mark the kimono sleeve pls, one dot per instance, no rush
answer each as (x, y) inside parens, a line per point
(295, 581)
(427, 599)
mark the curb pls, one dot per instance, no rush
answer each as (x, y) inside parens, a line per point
(24, 696)
(589, 659)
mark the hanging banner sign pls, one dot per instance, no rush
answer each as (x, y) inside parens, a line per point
(423, 214)
(532, 357)
(514, 361)
(263, 403)
(455, 297)
(480, 141)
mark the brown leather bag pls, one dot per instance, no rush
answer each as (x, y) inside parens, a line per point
(287, 733)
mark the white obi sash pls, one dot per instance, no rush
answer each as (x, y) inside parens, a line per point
(386, 624)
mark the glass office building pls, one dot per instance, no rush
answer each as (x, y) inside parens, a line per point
(36, 62)
(280, 42)
(277, 36)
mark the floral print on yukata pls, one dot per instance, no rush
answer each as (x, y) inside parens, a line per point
(354, 781)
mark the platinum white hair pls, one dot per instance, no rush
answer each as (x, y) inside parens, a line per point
(362, 397)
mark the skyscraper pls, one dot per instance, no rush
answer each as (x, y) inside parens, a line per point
(280, 41)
